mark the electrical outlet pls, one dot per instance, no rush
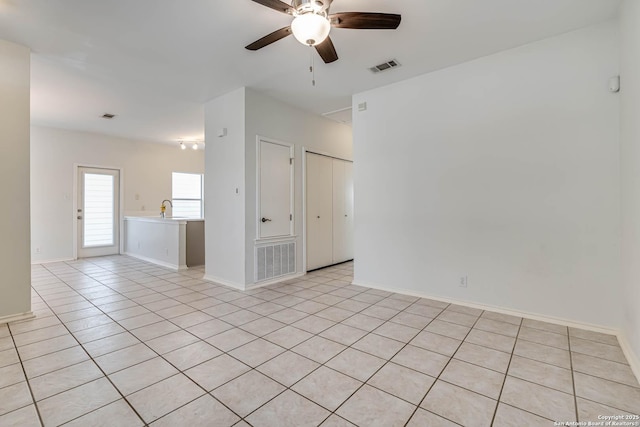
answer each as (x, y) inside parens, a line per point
(166, 251)
(463, 281)
(37, 250)
(138, 245)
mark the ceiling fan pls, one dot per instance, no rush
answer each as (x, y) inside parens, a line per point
(312, 22)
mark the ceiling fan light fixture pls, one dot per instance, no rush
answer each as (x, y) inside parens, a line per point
(310, 28)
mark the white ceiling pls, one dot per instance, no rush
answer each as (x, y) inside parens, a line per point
(155, 62)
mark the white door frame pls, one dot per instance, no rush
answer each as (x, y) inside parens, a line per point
(291, 189)
(76, 170)
(306, 150)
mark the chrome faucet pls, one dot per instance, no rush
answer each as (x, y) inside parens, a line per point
(163, 208)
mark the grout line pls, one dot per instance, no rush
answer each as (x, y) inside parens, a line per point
(283, 326)
(387, 360)
(26, 379)
(124, 275)
(573, 378)
(550, 421)
(180, 347)
(506, 373)
(444, 369)
(101, 370)
(157, 355)
(320, 365)
(336, 323)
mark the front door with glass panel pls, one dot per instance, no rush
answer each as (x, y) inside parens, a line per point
(98, 212)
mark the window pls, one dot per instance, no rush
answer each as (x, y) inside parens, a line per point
(187, 195)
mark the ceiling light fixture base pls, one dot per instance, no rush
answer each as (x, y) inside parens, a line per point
(311, 28)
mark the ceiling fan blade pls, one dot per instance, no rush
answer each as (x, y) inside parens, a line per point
(270, 38)
(327, 51)
(275, 5)
(365, 20)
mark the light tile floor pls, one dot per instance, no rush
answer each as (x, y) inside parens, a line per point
(119, 342)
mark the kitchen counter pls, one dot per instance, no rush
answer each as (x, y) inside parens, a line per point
(159, 219)
(175, 242)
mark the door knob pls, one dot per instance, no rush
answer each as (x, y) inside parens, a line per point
(265, 220)
(318, 216)
(79, 217)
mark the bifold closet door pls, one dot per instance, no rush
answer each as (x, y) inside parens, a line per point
(342, 211)
(348, 184)
(319, 194)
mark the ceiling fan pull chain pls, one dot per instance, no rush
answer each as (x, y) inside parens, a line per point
(312, 69)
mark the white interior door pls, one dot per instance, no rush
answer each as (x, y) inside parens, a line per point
(98, 215)
(275, 210)
(319, 194)
(342, 210)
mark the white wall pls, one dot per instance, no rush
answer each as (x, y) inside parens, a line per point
(225, 189)
(276, 120)
(630, 167)
(146, 167)
(15, 285)
(504, 169)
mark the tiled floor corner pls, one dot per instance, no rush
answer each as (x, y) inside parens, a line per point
(117, 341)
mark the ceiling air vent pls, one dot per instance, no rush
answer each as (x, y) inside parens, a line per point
(385, 66)
(108, 116)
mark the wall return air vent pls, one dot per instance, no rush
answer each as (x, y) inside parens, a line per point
(275, 260)
(385, 66)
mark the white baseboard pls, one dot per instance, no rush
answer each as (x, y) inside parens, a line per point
(174, 267)
(16, 317)
(238, 286)
(252, 285)
(518, 313)
(274, 281)
(631, 356)
(50, 261)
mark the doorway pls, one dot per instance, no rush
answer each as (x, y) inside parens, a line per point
(98, 212)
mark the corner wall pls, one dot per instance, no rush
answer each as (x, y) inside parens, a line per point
(224, 190)
(504, 170)
(630, 167)
(15, 285)
(146, 167)
(273, 119)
